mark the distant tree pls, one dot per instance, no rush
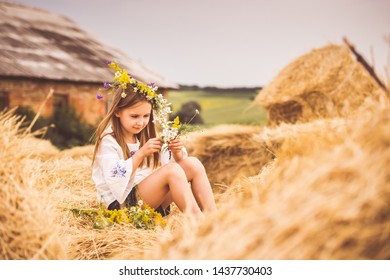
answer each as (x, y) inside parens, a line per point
(65, 129)
(69, 130)
(187, 112)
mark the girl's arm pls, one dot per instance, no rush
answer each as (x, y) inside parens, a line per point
(111, 170)
(151, 146)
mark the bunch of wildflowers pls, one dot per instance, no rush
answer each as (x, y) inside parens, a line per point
(145, 217)
(171, 130)
(140, 216)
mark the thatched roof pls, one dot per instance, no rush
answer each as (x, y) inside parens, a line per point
(327, 82)
(38, 44)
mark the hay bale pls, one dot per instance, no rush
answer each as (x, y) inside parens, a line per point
(324, 83)
(322, 198)
(28, 227)
(228, 152)
(232, 152)
(115, 242)
(76, 152)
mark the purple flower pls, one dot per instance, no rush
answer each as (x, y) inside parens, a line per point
(152, 85)
(106, 85)
(99, 96)
(108, 62)
(118, 171)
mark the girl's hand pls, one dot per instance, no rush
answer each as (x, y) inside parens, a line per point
(176, 146)
(151, 146)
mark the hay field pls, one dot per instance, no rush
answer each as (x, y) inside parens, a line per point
(312, 189)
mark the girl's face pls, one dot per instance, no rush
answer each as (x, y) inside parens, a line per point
(135, 118)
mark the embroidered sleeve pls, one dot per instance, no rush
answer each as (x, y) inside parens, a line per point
(116, 171)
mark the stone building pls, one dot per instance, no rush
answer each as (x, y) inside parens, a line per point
(40, 51)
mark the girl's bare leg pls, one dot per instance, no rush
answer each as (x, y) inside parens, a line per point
(201, 188)
(168, 183)
(167, 200)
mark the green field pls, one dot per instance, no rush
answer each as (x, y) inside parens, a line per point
(221, 108)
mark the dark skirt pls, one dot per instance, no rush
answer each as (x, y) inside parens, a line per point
(131, 200)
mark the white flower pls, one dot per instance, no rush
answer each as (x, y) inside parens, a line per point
(140, 203)
(123, 94)
(155, 88)
(197, 111)
(132, 209)
(147, 212)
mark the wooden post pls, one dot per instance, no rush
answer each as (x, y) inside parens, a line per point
(362, 61)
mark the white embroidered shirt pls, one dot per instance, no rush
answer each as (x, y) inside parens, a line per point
(113, 175)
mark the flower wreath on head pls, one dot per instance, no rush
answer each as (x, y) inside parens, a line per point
(161, 107)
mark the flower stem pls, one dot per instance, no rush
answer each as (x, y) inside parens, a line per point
(196, 113)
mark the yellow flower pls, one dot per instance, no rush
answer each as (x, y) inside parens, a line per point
(176, 123)
(124, 78)
(114, 66)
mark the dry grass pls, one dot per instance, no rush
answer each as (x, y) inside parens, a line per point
(228, 152)
(28, 229)
(322, 198)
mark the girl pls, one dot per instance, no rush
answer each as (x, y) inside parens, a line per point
(126, 162)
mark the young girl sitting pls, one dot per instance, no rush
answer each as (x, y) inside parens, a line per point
(128, 164)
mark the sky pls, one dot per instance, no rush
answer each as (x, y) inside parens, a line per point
(229, 43)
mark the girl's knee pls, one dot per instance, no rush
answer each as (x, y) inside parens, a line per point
(174, 169)
(194, 164)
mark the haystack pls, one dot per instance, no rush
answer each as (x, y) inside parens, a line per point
(325, 83)
(326, 196)
(228, 152)
(28, 227)
(232, 152)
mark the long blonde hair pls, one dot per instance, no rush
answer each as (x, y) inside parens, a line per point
(119, 104)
